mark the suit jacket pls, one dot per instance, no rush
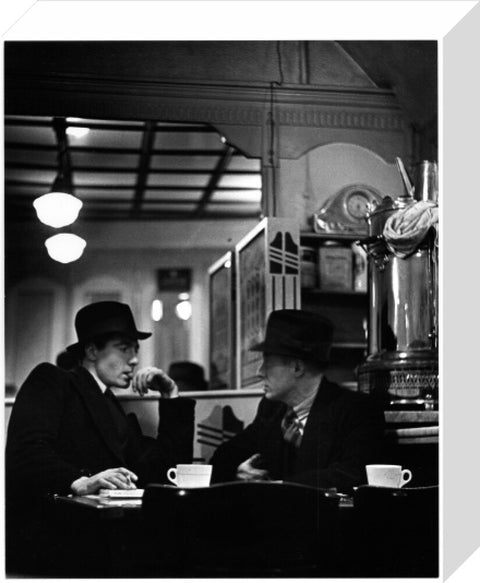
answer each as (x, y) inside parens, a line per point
(61, 429)
(343, 433)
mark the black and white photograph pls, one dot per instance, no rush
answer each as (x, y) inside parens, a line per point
(223, 303)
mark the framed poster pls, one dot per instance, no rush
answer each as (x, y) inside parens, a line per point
(222, 322)
(267, 278)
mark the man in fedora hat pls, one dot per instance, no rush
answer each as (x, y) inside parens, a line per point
(189, 376)
(68, 433)
(307, 429)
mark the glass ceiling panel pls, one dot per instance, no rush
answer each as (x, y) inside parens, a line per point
(28, 157)
(196, 180)
(183, 162)
(241, 180)
(242, 163)
(43, 176)
(82, 178)
(169, 208)
(25, 191)
(30, 134)
(88, 121)
(191, 195)
(113, 194)
(237, 195)
(193, 141)
(109, 160)
(109, 139)
(114, 186)
(240, 209)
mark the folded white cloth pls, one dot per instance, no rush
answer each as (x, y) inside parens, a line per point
(405, 229)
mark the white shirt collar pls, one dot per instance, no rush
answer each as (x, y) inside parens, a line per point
(302, 410)
(101, 384)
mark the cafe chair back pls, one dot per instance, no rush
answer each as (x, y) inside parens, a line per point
(242, 529)
(395, 532)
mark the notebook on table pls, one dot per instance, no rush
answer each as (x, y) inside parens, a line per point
(106, 493)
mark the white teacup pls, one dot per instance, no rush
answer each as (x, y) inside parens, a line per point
(190, 475)
(388, 476)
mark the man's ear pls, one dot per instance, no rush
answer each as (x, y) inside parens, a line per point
(91, 352)
(298, 367)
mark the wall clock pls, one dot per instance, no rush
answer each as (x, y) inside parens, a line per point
(346, 212)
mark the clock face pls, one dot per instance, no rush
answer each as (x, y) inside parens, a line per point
(346, 212)
(358, 204)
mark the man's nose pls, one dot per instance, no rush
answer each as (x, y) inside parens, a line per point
(261, 370)
(133, 360)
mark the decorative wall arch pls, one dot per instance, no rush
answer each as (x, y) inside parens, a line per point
(35, 309)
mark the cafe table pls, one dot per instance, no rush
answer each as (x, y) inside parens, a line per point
(391, 533)
(106, 537)
(97, 536)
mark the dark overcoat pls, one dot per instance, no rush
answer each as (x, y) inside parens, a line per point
(343, 433)
(61, 428)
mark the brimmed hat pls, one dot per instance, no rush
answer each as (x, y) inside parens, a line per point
(102, 318)
(188, 372)
(297, 333)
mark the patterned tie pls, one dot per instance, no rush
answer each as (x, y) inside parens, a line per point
(292, 428)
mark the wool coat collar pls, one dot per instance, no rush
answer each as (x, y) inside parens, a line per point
(94, 401)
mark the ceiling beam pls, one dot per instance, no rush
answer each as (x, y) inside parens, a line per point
(212, 185)
(27, 201)
(23, 184)
(113, 150)
(129, 126)
(124, 170)
(107, 215)
(148, 139)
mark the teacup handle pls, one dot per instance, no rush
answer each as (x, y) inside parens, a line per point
(172, 472)
(406, 477)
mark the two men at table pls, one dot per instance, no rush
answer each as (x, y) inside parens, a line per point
(68, 433)
(307, 429)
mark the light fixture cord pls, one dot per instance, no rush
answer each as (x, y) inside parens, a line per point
(63, 156)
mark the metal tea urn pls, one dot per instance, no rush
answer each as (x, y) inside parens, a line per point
(401, 369)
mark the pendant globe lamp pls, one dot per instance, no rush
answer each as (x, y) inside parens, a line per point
(59, 207)
(65, 247)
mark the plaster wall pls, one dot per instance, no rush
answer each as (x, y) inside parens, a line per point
(120, 262)
(306, 183)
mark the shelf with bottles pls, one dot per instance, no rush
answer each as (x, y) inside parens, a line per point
(334, 284)
(333, 266)
(312, 238)
(351, 295)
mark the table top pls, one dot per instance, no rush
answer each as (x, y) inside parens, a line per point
(131, 507)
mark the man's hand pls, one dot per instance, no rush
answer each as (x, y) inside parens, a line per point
(111, 479)
(156, 380)
(250, 470)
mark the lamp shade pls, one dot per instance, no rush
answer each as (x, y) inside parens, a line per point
(57, 209)
(183, 310)
(65, 247)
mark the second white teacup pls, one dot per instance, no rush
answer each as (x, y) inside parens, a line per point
(190, 475)
(389, 476)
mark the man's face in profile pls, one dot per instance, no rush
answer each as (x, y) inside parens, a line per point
(277, 374)
(116, 361)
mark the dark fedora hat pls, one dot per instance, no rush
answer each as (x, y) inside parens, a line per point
(188, 373)
(297, 333)
(102, 318)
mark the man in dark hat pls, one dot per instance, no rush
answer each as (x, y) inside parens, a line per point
(69, 435)
(189, 376)
(307, 429)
